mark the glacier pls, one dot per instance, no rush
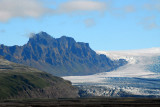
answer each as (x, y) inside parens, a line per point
(140, 77)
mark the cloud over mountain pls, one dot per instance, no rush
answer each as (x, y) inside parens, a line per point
(36, 8)
(21, 8)
(89, 22)
(73, 6)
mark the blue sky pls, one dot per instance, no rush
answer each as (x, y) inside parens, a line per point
(104, 24)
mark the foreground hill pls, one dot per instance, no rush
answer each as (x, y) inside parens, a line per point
(18, 81)
(62, 56)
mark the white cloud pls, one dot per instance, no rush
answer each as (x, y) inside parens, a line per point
(149, 23)
(2, 31)
(74, 6)
(129, 9)
(21, 8)
(29, 35)
(35, 8)
(152, 25)
(150, 18)
(89, 22)
(152, 7)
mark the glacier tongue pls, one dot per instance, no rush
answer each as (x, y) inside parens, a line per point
(132, 56)
(140, 76)
(138, 60)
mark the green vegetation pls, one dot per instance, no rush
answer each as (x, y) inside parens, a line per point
(23, 82)
(17, 85)
(11, 83)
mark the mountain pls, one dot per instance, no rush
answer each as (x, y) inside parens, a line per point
(62, 56)
(21, 82)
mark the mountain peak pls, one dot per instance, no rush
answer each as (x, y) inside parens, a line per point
(65, 39)
(41, 38)
(59, 56)
(40, 35)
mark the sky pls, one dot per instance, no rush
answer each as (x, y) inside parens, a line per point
(104, 24)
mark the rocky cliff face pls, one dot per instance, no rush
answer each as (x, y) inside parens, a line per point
(18, 81)
(62, 56)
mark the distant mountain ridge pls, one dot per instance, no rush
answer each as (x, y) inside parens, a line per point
(62, 56)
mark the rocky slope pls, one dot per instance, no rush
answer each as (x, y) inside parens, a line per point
(62, 56)
(20, 82)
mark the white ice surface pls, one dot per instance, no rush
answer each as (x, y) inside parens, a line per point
(137, 61)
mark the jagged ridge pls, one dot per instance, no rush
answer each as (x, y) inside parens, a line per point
(62, 56)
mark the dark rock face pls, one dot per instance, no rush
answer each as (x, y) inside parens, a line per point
(62, 56)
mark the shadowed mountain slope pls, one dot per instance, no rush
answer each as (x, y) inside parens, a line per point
(20, 82)
(62, 56)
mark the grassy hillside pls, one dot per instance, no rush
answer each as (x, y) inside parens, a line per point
(18, 81)
(12, 83)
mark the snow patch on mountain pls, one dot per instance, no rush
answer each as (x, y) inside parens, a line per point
(132, 56)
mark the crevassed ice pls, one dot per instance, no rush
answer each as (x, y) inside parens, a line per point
(137, 67)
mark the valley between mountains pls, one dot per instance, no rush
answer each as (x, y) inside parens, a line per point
(139, 78)
(31, 70)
